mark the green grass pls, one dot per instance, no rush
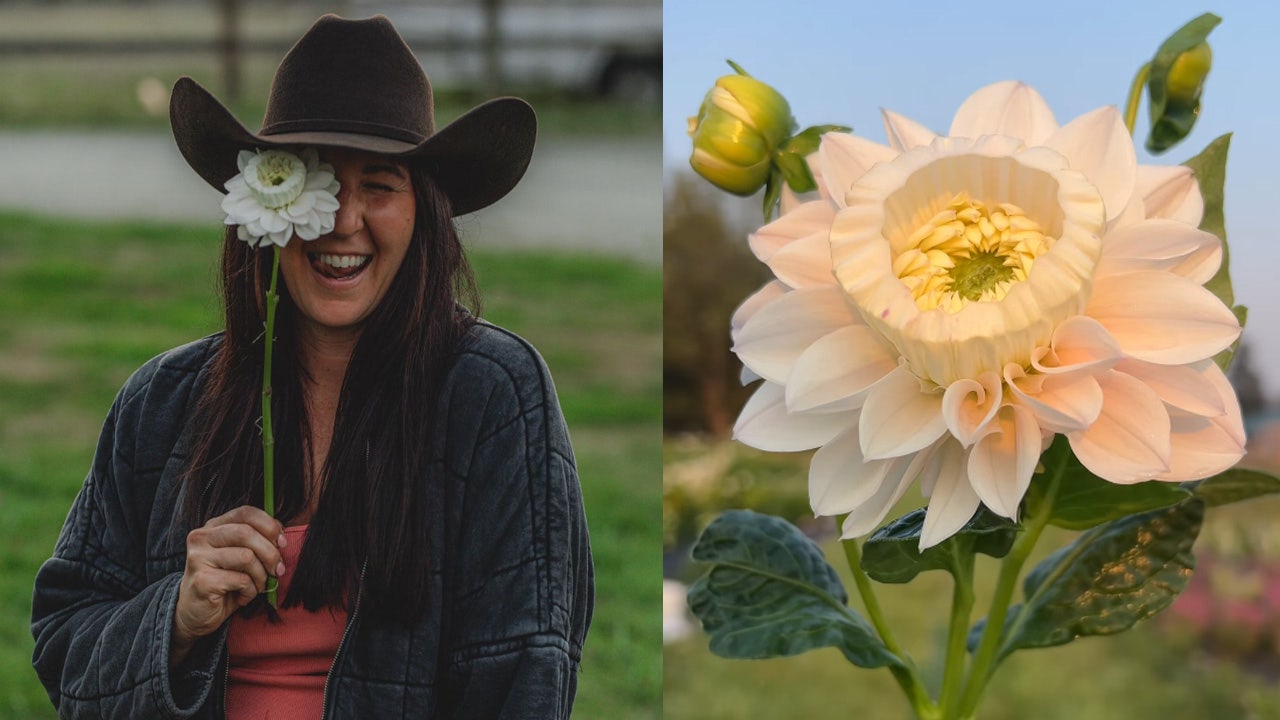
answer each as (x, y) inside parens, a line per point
(83, 304)
(1156, 671)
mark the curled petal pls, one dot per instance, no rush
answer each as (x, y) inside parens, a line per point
(1162, 318)
(1002, 462)
(1079, 345)
(899, 475)
(899, 417)
(1129, 442)
(1005, 108)
(968, 405)
(1060, 403)
(804, 220)
(1098, 144)
(773, 338)
(1204, 446)
(905, 133)
(1189, 388)
(1170, 191)
(953, 501)
(1167, 245)
(764, 423)
(845, 158)
(837, 370)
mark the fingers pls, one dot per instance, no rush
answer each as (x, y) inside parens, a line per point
(254, 517)
(237, 587)
(240, 545)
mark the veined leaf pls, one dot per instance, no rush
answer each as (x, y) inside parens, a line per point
(892, 554)
(1235, 485)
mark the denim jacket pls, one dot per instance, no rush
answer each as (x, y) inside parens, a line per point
(509, 556)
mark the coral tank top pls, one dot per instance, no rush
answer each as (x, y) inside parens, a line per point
(277, 671)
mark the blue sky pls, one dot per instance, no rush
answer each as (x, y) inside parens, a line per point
(840, 62)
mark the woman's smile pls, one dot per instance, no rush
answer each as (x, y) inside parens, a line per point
(342, 268)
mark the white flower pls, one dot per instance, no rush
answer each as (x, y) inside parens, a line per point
(948, 304)
(278, 194)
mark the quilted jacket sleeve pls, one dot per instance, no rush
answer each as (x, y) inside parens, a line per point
(101, 624)
(523, 578)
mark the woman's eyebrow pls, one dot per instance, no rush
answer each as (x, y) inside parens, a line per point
(375, 169)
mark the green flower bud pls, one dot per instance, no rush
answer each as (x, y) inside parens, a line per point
(741, 123)
(1176, 79)
(1186, 77)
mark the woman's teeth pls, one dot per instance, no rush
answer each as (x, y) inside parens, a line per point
(338, 266)
(344, 261)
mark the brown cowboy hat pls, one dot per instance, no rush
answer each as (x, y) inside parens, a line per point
(355, 84)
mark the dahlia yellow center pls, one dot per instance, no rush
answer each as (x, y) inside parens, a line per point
(969, 252)
(275, 178)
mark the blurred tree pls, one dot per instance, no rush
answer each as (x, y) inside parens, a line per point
(1246, 381)
(229, 47)
(493, 80)
(707, 271)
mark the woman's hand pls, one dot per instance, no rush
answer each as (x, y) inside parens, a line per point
(228, 561)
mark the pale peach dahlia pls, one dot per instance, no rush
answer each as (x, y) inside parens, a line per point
(950, 303)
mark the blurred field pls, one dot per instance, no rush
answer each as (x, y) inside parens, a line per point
(1160, 670)
(82, 305)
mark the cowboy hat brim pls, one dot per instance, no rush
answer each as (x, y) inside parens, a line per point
(476, 159)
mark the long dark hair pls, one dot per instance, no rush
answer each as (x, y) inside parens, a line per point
(372, 488)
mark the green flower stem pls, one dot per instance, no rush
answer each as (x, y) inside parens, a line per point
(985, 659)
(957, 636)
(1135, 96)
(907, 676)
(268, 437)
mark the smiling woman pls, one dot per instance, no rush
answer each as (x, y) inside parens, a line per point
(428, 536)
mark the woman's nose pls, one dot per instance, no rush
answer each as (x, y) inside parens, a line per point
(348, 219)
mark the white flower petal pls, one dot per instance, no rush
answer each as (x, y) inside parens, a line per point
(804, 263)
(1005, 108)
(1170, 191)
(1060, 403)
(844, 159)
(1202, 446)
(765, 423)
(1002, 462)
(840, 479)
(1129, 442)
(904, 133)
(1167, 245)
(1162, 318)
(773, 338)
(243, 157)
(1098, 144)
(838, 367)
(953, 501)
(898, 417)
(900, 474)
(749, 307)
(1080, 344)
(968, 405)
(805, 220)
(1189, 388)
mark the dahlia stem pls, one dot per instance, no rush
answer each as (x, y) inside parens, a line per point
(268, 437)
(1135, 96)
(906, 675)
(957, 637)
(986, 659)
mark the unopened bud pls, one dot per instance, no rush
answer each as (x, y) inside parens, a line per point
(741, 123)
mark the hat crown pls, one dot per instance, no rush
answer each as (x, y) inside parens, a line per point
(355, 76)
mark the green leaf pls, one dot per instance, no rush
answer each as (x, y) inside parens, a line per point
(771, 593)
(892, 554)
(1235, 485)
(1085, 500)
(772, 191)
(1108, 579)
(1210, 168)
(1171, 122)
(1224, 358)
(806, 141)
(795, 170)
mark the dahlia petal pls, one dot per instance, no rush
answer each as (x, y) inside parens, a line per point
(771, 291)
(904, 133)
(1204, 446)
(1167, 245)
(772, 340)
(953, 501)
(243, 157)
(303, 205)
(1060, 403)
(840, 479)
(1187, 387)
(1098, 144)
(1002, 462)
(1005, 108)
(901, 472)
(327, 202)
(765, 424)
(1162, 318)
(807, 219)
(1170, 191)
(898, 417)
(804, 263)
(1080, 344)
(969, 405)
(274, 222)
(838, 367)
(845, 158)
(1129, 442)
